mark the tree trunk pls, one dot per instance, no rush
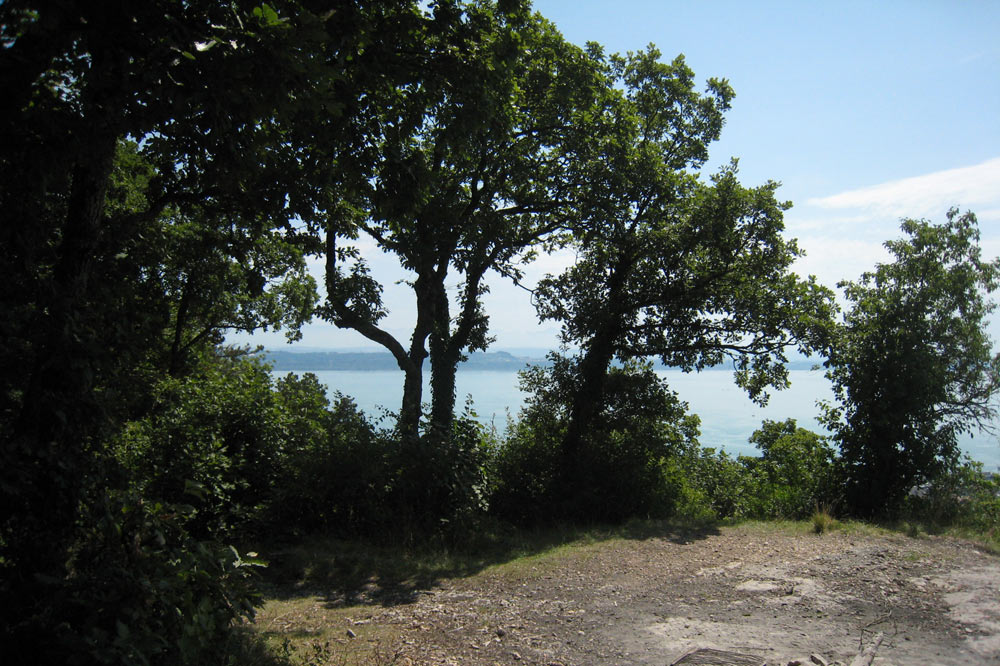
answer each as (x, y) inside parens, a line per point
(46, 454)
(410, 411)
(447, 346)
(444, 366)
(409, 361)
(446, 351)
(588, 399)
(600, 351)
(61, 365)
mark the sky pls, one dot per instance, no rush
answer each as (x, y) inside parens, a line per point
(865, 112)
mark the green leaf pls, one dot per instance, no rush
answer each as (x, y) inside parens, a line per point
(267, 15)
(194, 488)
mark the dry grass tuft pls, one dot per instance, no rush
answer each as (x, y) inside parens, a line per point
(822, 521)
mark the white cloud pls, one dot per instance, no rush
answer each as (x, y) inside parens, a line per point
(929, 195)
(843, 234)
(832, 259)
(823, 223)
(990, 215)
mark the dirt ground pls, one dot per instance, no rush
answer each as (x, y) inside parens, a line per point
(773, 594)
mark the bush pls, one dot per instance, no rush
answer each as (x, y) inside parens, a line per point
(214, 439)
(140, 590)
(339, 476)
(622, 468)
(716, 481)
(962, 496)
(345, 476)
(795, 473)
(441, 485)
(525, 472)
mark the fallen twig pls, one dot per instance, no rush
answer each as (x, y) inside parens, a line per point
(866, 657)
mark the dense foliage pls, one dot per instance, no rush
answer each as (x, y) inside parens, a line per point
(474, 170)
(153, 197)
(622, 467)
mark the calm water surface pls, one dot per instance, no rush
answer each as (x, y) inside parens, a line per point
(728, 417)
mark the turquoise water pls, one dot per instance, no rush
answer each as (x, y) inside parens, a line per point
(728, 417)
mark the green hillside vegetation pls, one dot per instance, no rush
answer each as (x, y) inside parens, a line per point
(168, 168)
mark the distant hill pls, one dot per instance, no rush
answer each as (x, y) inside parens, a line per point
(499, 361)
(283, 360)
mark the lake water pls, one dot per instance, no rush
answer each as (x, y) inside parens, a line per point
(728, 417)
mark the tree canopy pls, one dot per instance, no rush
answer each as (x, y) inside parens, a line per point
(472, 175)
(667, 265)
(153, 196)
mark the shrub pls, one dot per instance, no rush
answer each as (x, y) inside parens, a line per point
(962, 496)
(345, 476)
(140, 590)
(717, 482)
(339, 475)
(213, 439)
(795, 473)
(621, 469)
(525, 472)
(441, 484)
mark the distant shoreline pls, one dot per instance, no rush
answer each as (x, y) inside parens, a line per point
(375, 361)
(380, 361)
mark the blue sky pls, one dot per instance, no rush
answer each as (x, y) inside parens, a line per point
(866, 112)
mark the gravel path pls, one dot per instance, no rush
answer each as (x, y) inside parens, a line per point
(758, 591)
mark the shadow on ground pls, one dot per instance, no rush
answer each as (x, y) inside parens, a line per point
(353, 572)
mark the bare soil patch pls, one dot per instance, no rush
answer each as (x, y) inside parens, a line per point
(777, 594)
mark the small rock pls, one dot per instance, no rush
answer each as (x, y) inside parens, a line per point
(500, 632)
(351, 634)
(515, 656)
(818, 660)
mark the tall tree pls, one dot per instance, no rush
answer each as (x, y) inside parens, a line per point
(912, 365)
(472, 176)
(671, 267)
(209, 93)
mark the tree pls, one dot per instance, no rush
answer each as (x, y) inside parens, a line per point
(471, 177)
(912, 364)
(671, 267)
(209, 92)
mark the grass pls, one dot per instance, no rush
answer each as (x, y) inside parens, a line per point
(309, 630)
(822, 521)
(320, 589)
(358, 572)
